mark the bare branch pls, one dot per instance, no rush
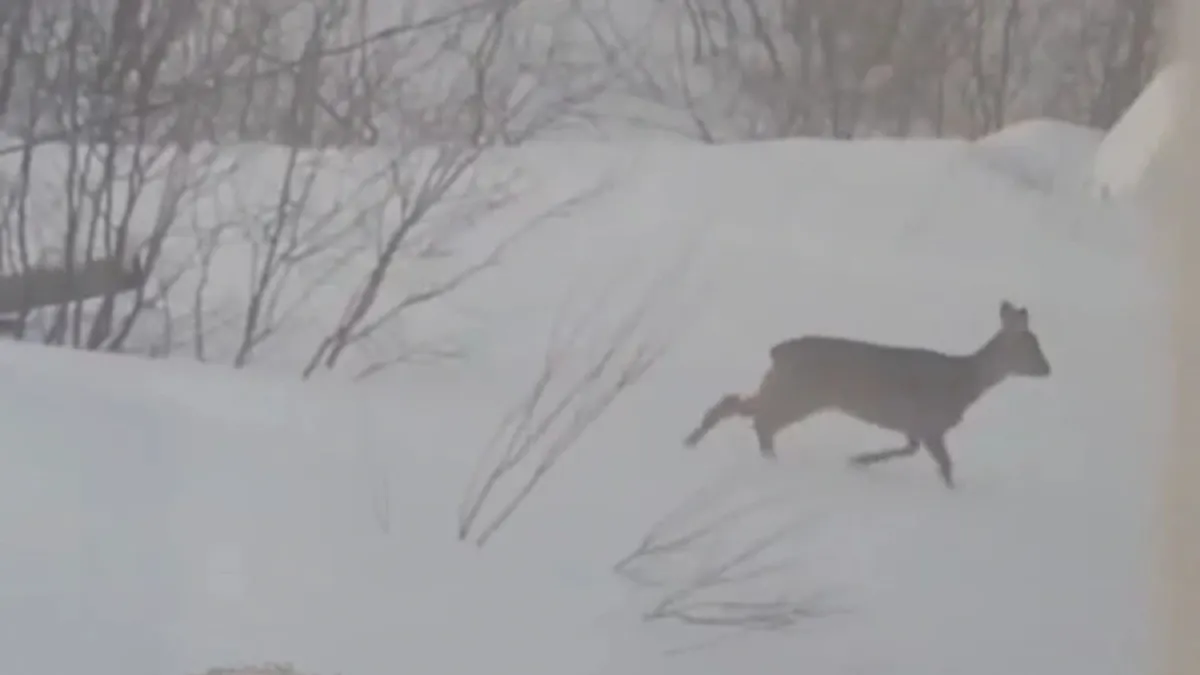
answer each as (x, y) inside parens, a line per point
(561, 407)
(713, 562)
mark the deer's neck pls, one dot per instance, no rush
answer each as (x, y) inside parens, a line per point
(987, 370)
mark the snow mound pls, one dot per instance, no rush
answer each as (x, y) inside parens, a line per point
(1124, 157)
(1041, 154)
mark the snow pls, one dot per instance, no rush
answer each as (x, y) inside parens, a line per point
(1129, 148)
(1042, 154)
(164, 517)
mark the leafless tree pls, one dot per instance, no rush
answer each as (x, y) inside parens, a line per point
(742, 69)
(82, 87)
(126, 97)
(1127, 56)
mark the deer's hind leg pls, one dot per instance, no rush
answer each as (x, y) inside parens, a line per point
(768, 423)
(730, 405)
(765, 431)
(783, 400)
(869, 458)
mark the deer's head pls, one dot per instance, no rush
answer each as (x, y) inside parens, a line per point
(1016, 347)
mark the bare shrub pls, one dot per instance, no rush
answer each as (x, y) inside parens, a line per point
(370, 309)
(725, 559)
(571, 392)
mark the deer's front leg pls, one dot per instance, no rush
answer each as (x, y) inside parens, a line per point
(765, 430)
(937, 447)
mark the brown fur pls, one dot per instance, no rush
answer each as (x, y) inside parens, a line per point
(920, 393)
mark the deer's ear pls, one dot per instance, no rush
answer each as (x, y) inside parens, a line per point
(1013, 318)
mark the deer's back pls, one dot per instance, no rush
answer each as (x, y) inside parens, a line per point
(903, 388)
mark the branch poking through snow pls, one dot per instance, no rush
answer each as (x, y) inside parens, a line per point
(719, 568)
(563, 403)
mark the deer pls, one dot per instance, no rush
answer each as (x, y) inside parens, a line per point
(920, 393)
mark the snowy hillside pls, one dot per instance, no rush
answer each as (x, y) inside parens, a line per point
(163, 517)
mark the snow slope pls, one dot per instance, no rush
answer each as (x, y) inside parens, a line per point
(1042, 154)
(163, 517)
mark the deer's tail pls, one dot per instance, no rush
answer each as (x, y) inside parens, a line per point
(730, 405)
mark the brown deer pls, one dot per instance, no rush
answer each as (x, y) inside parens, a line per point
(920, 393)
